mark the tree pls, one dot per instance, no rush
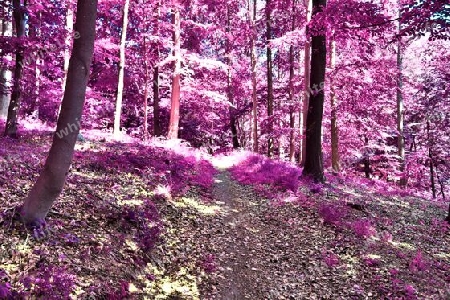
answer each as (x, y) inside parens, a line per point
(253, 37)
(314, 157)
(400, 106)
(335, 164)
(156, 108)
(51, 180)
(269, 79)
(5, 30)
(307, 73)
(229, 60)
(14, 105)
(175, 98)
(119, 98)
(292, 91)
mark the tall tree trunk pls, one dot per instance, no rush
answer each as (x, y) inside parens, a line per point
(291, 92)
(4, 72)
(67, 44)
(307, 74)
(51, 180)
(14, 105)
(431, 160)
(269, 79)
(175, 98)
(366, 157)
(314, 157)
(441, 183)
(231, 109)
(119, 98)
(252, 17)
(156, 120)
(68, 40)
(145, 129)
(400, 108)
(334, 127)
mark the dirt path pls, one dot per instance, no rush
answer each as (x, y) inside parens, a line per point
(238, 272)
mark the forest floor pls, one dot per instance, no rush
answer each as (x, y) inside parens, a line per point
(211, 237)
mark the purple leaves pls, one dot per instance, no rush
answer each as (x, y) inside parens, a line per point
(363, 228)
(418, 263)
(53, 283)
(331, 214)
(330, 259)
(269, 175)
(208, 264)
(5, 290)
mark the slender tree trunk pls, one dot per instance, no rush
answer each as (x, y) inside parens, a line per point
(334, 127)
(400, 108)
(175, 98)
(366, 157)
(307, 73)
(314, 157)
(431, 160)
(68, 40)
(291, 92)
(4, 72)
(269, 79)
(145, 129)
(156, 120)
(119, 98)
(252, 13)
(14, 105)
(231, 109)
(51, 180)
(441, 183)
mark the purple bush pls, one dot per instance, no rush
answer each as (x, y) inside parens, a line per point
(5, 290)
(208, 264)
(146, 220)
(331, 259)
(53, 283)
(156, 166)
(268, 175)
(331, 214)
(363, 228)
(418, 263)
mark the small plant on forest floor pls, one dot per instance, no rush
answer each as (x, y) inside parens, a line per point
(363, 228)
(332, 214)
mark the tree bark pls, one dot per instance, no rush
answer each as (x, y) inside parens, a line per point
(366, 158)
(145, 129)
(119, 98)
(252, 17)
(314, 157)
(269, 80)
(335, 164)
(4, 72)
(14, 105)
(175, 98)
(51, 180)
(400, 108)
(156, 120)
(307, 74)
(68, 40)
(431, 160)
(231, 109)
(291, 92)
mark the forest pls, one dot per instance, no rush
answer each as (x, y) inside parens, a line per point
(235, 149)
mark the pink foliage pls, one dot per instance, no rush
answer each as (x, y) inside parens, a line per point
(418, 262)
(332, 214)
(268, 175)
(331, 259)
(363, 228)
